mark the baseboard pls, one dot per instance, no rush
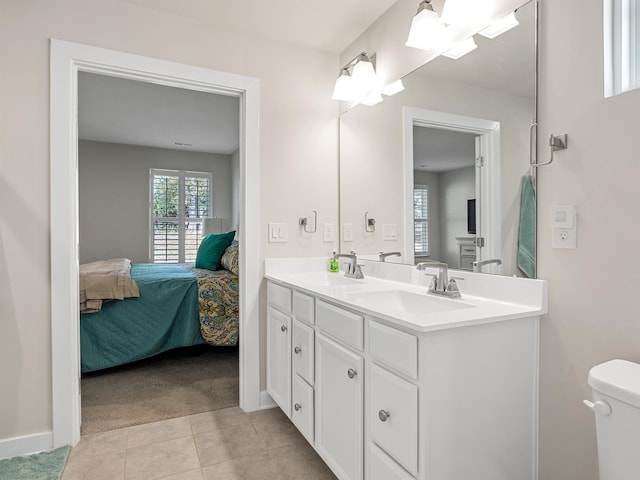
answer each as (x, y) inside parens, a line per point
(266, 401)
(38, 442)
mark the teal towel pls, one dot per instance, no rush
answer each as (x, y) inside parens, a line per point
(527, 230)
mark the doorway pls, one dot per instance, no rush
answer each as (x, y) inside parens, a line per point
(67, 60)
(487, 162)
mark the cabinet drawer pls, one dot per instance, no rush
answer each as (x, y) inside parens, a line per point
(393, 348)
(302, 350)
(342, 325)
(466, 263)
(303, 308)
(382, 467)
(303, 412)
(468, 250)
(393, 417)
(279, 297)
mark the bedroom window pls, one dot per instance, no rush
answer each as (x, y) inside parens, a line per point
(421, 220)
(180, 200)
(621, 46)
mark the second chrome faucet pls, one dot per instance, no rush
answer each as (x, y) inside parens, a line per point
(353, 270)
(440, 283)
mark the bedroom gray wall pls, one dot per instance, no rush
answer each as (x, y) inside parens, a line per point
(114, 195)
(456, 187)
(235, 190)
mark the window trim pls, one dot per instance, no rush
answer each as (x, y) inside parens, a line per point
(181, 219)
(621, 49)
(422, 220)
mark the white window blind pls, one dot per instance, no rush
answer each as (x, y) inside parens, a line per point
(621, 45)
(179, 201)
(421, 220)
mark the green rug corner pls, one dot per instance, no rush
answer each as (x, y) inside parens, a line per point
(40, 466)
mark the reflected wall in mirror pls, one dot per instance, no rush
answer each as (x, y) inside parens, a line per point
(451, 113)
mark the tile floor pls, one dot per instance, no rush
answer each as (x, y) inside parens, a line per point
(225, 444)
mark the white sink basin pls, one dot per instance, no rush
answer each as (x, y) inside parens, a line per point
(408, 302)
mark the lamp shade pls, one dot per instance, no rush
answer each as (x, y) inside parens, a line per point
(461, 48)
(344, 89)
(425, 30)
(364, 76)
(464, 13)
(500, 26)
(215, 225)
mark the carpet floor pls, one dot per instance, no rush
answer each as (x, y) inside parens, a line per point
(40, 466)
(174, 384)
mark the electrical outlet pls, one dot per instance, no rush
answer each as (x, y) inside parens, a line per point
(328, 235)
(563, 238)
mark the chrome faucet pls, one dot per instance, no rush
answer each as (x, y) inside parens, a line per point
(440, 284)
(353, 269)
(477, 265)
(384, 255)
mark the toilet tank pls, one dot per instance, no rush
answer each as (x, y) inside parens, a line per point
(616, 403)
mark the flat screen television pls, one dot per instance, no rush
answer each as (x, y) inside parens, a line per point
(471, 216)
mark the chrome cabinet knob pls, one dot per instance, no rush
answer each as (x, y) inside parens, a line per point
(383, 415)
(297, 407)
(297, 350)
(283, 328)
(352, 373)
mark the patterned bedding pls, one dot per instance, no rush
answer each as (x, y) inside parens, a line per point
(218, 305)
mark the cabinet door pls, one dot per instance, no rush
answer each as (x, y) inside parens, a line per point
(303, 348)
(393, 417)
(339, 408)
(279, 359)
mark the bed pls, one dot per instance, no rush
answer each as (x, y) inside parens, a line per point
(178, 305)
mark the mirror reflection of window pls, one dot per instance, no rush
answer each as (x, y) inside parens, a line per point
(421, 220)
(621, 46)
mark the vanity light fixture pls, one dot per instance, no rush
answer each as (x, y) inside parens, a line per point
(357, 80)
(426, 27)
(500, 26)
(463, 13)
(344, 88)
(461, 48)
(393, 88)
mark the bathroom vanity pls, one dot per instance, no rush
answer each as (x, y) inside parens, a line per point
(388, 382)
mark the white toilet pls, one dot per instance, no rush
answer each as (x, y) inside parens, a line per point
(616, 403)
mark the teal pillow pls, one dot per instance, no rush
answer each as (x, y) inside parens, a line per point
(212, 248)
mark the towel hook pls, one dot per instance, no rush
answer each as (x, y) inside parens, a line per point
(369, 223)
(304, 221)
(556, 143)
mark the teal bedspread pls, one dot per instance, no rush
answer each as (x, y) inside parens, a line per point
(165, 316)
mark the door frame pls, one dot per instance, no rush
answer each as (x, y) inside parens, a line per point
(66, 60)
(488, 206)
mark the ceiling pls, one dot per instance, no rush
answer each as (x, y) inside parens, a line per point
(327, 25)
(130, 112)
(436, 150)
(136, 113)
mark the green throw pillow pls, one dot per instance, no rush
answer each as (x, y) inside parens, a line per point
(212, 248)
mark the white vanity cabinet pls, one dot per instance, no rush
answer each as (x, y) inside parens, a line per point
(382, 401)
(340, 390)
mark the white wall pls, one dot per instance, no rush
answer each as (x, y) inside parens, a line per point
(235, 190)
(114, 195)
(298, 157)
(456, 187)
(593, 309)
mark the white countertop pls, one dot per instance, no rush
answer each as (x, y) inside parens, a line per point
(404, 301)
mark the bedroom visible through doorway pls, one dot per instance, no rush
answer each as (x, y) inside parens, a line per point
(154, 163)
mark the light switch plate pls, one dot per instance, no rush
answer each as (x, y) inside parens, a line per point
(347, 232)
(278, 233)
(389, 232)
(328, 232)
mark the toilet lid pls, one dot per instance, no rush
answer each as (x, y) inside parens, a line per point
(619, 379)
